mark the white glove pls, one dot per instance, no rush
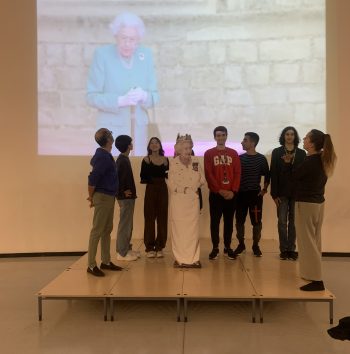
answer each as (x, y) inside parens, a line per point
(126, 101)
(138, 94)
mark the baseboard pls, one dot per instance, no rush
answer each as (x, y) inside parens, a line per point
(41, 254)
(335, 254)
(81, 253)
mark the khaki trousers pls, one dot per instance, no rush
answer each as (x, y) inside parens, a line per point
(102, 227)
(308, 223)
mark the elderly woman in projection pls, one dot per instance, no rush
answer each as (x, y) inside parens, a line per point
(122, 83)
(184, 178)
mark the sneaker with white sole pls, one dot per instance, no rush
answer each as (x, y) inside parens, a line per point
(160, 254)
(135, 253)
(151, 254)
(128, 257)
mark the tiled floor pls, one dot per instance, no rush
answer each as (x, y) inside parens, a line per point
(150, 327)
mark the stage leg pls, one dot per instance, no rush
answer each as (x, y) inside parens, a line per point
(178, 308)
(261, 306)
(40, 308)
(185, 310)
(111, 309)
(105, 305)
(331, 312)
(253, 310)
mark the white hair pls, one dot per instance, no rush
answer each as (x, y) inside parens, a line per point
(127, 19)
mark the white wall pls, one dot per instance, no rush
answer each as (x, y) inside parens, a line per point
(43, 206)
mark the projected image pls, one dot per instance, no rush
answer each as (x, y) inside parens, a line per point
(158, 68)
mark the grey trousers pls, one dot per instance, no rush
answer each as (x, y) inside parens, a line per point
(308, 223)
(125, 226)
(102, 227)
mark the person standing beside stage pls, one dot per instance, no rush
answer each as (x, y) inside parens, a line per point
(122, 83)
(185, 177)
(102, 188)
(310, 180)
(223, 172)
(126, 199)
(250, 196)
(281, 188)
(154, 169)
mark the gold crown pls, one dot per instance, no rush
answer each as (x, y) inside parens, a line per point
(181, 138)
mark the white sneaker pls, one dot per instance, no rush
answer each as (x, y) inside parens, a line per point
(160, 254)
(128, 257)
(135, 253)
(151, 254)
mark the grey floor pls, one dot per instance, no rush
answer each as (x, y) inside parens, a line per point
(150, 327)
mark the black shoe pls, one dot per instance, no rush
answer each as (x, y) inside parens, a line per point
(230, 253)
(313, 286)
(240, 248)
(256, 251)
(214, 254)
(95, 271)
(110, 266)
(292, 255)
(284, 255)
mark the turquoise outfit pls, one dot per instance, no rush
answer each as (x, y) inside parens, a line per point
(111, 77)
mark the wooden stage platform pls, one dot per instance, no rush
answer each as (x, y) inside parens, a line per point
(248, 278)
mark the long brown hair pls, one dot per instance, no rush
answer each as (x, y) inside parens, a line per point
(323, 143)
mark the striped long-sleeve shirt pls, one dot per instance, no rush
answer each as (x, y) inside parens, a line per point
(253, 167)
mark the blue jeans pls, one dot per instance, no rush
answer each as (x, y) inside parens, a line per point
(125, 226)
(286, 225)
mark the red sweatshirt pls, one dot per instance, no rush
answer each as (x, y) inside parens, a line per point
(216, 163)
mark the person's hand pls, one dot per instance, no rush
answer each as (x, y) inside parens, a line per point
(138, 95)
(226, 194)
(126, 101)
(229, 195)
(277, 201)
(128, 193)
(287, 158)
(91, 202)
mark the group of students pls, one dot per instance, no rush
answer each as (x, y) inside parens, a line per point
(173, 186)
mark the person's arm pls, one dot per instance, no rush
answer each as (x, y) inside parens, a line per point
(96, 97)
(91, 191)
(274, 173)
(266, 173)
(236, 164)
(209, 175)
(125, 184)
(144, 174)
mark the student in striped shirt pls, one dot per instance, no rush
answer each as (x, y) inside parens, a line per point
(250, 196)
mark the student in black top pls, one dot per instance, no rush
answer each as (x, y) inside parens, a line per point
(281, 189)
(154, 169)
(126, 199)
(310, 180)
(250, 195)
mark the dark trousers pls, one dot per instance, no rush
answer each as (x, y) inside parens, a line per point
(253, 202)
(221, 207)
(156, 210)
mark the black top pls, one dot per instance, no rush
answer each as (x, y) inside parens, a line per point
(252, 168)
(310, 180)
(281, 172)
(151, 170)
(126, 177)
(104, 176)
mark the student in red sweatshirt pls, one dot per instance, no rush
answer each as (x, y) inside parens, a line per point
(223, 172)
